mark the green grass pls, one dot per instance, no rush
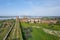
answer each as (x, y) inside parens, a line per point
(44, 25)
(25, 24)
(13, 34)
(4, 30)
(39, 34)
(55, 27)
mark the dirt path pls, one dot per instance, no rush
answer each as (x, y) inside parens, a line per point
(53, 32)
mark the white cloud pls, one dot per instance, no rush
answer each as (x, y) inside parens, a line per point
(51, 8)
(41, 11)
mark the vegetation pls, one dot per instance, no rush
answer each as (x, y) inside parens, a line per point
(31, 31)
(4, 28)
(38, 33)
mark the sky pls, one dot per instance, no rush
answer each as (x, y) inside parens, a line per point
(30, 7)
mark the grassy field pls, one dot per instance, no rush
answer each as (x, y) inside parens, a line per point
(4, 29)
(4, 32)
(15, 34)
(38, 33)
(43, 25)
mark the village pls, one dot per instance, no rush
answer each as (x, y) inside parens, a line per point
(38, 20)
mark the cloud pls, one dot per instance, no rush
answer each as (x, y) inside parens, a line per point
(41, 11)
(34, 8)
(50, 8)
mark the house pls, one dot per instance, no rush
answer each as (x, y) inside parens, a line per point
(49, 21)
(37, 20)
(24, 20)
(32, 20)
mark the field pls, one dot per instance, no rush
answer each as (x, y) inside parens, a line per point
(17, 30)
(10, 30)
(4, 28)
(38, 33)
(15, 33)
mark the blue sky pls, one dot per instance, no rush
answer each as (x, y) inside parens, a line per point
(30, 7)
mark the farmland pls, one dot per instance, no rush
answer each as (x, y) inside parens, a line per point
(38, 33)
(4, 28)
(15, 29)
